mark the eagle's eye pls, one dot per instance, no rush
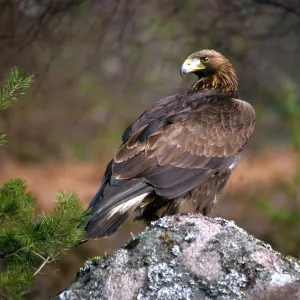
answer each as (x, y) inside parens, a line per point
(204, 59)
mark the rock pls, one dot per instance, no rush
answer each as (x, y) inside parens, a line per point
(189, 257)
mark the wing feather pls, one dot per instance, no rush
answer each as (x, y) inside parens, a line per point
(208, 138)
(179, 143)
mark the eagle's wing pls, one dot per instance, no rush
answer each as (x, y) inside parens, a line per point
(175, 156)
(173, 147)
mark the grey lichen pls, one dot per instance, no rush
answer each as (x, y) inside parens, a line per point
(293, 263)
(176, 250)
(64, 295)
(165, 222)
(189, 237)
(231, 286)
(163, 284)
(186, 257)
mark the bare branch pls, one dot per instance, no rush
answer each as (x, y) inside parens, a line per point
(46, 261)
(284, 7)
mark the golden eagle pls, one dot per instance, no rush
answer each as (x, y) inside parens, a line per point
(184, 147)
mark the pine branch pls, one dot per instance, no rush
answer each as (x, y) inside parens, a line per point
(2, 139)
(29, 242)
(46, 261)
(15, 85)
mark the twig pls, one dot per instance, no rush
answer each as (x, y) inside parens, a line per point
(47, 260)
(39, 255)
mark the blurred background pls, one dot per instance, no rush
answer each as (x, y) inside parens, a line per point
(98, 64)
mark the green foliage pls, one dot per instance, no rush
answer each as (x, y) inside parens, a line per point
(289, 103)
(62, 228)
(2, 139)
(15, 85)
(28, 241)
(286, 218)
(15, 202)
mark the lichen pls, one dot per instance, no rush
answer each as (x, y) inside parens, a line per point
(281, 279)
(190, 237)
(185, 257)
(166, 283)
(294, 263)
(230, 285)
(176, 250)
(176, 292)
(160, 274)
(163, 222)
(121, 258)
(64, 295)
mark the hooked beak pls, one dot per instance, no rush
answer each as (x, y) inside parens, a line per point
(191, 65)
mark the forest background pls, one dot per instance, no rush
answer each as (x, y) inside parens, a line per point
(98, 64)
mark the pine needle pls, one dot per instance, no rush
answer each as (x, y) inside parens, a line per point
(15, 85)
(30, 241)
(2, 139)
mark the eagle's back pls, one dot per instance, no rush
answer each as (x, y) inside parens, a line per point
(184, 146)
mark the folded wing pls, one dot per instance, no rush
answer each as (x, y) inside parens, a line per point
(172, 148)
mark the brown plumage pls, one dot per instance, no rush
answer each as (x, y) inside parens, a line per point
(184, 147)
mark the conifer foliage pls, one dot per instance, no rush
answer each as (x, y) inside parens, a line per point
(29, 241)
(15, 85)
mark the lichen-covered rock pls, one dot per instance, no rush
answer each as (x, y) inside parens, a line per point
(189, 257)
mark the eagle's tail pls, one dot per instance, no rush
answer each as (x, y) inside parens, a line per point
(112, 205)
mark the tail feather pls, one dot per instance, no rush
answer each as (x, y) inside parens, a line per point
(107, 224)
(112, 205)
(98, 195)
(101, 228)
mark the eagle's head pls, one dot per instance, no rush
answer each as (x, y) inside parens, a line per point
(213, 69)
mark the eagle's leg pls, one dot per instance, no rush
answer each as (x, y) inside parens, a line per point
(205, 196)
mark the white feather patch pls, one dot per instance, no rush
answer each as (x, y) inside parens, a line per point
(234, 164)
(128, 205)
